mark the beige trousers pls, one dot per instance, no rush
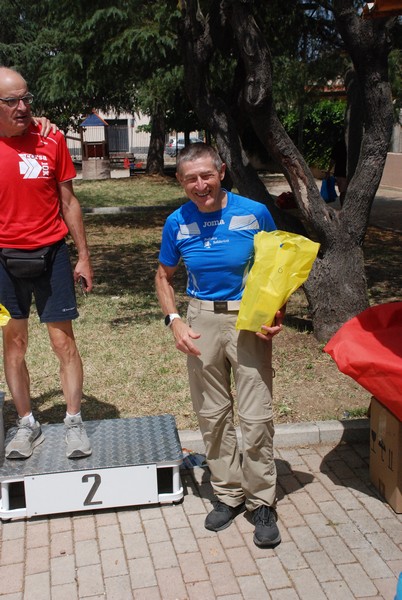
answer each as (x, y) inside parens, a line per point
(225, 351)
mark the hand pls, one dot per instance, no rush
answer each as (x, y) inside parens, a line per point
(83, 274)
(275, 328)
(183, 334)
(45, 126)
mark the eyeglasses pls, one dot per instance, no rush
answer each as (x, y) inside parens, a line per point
(14, 102)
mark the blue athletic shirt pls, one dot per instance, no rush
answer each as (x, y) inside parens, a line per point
(217, 247)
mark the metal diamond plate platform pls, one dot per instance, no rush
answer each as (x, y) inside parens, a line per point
(115, 442)
(133, 461)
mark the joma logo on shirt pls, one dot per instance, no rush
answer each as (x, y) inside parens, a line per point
(213, 223)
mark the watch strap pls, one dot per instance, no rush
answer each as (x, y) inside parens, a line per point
(170, 318)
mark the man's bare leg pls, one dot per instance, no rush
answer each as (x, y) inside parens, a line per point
(71, 374)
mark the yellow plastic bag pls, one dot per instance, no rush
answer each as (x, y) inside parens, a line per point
(4, 316)
(282, 263)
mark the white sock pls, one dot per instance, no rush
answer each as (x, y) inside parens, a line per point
(30, 417)
(77, 415)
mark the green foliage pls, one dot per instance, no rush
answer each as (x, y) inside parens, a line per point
(323, 126)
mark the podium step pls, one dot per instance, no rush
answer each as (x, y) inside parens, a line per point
(134, 461)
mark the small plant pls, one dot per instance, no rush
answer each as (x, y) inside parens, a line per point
(284, 409)
(355, 413)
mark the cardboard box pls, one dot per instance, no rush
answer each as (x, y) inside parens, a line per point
(386, 454)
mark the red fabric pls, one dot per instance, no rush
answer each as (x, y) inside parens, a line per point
(286, 200)
(30, 169)
(368, 348)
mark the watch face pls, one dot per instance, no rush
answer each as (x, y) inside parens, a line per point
(167, 320)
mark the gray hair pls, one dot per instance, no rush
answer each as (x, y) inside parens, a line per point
(198, 150)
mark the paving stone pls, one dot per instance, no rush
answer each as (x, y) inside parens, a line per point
(37, 534)
(357, 580)
(373, 564)
(204, 590)
(322, 566)
(307, 585)
(222, 579)
(113, 562)
(87, 553)
(37, 560)
(84, 528)
(183, 540)
(129, 520)
(304, 539)
(61, 544)
(192, 567)
(13, 530)
(242, 562)
(150, 593)
(109, 536)
(136, 545)
(11, 578)
(273, 573)
(212, 550)
(155, 530)
(253, 587)
(171, 584)
(37, 587)
(62, 570)
(118, 588)
(12, 551)
(90, 580)
(142, 573)
(163, 555)
(67, 591)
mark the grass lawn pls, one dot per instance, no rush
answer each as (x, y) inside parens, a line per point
(131, 365)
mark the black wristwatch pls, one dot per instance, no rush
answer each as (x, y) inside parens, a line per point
(170, 318)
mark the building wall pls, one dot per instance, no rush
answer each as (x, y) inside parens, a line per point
(392, 174)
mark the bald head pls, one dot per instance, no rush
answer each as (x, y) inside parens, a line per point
(14, 120)
(10, 77)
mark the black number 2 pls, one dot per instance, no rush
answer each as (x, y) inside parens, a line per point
(97, 481)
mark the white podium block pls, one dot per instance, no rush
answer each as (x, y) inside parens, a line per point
(134, 462)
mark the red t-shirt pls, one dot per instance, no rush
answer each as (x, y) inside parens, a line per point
(30, 169)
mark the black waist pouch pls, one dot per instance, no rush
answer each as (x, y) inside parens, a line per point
(28, 263)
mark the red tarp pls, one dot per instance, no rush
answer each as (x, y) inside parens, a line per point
(368, 348)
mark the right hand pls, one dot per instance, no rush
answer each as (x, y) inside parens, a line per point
(183, 335)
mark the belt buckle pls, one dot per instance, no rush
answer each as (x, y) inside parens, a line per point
(220, 306)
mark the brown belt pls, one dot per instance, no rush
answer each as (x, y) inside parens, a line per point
(218, 306)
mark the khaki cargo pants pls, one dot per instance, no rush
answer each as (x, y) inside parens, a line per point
(224, 351)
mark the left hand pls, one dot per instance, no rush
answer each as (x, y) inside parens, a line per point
(84, 269)
(275, 328)
(45, 125)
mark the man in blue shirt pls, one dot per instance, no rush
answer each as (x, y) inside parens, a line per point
(213, 233)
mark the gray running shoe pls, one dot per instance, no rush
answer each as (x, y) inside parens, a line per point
(25, 440)
(76, 438)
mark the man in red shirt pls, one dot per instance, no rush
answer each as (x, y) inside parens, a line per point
(37, 209)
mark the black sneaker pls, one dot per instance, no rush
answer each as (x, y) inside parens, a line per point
(222, 515)
(266, 533)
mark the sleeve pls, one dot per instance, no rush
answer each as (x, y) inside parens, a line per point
(267, 222)
(169, 254)
(64, 168)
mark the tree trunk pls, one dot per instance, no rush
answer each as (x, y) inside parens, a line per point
(155, 162)
(197, 48)
(336, 289)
